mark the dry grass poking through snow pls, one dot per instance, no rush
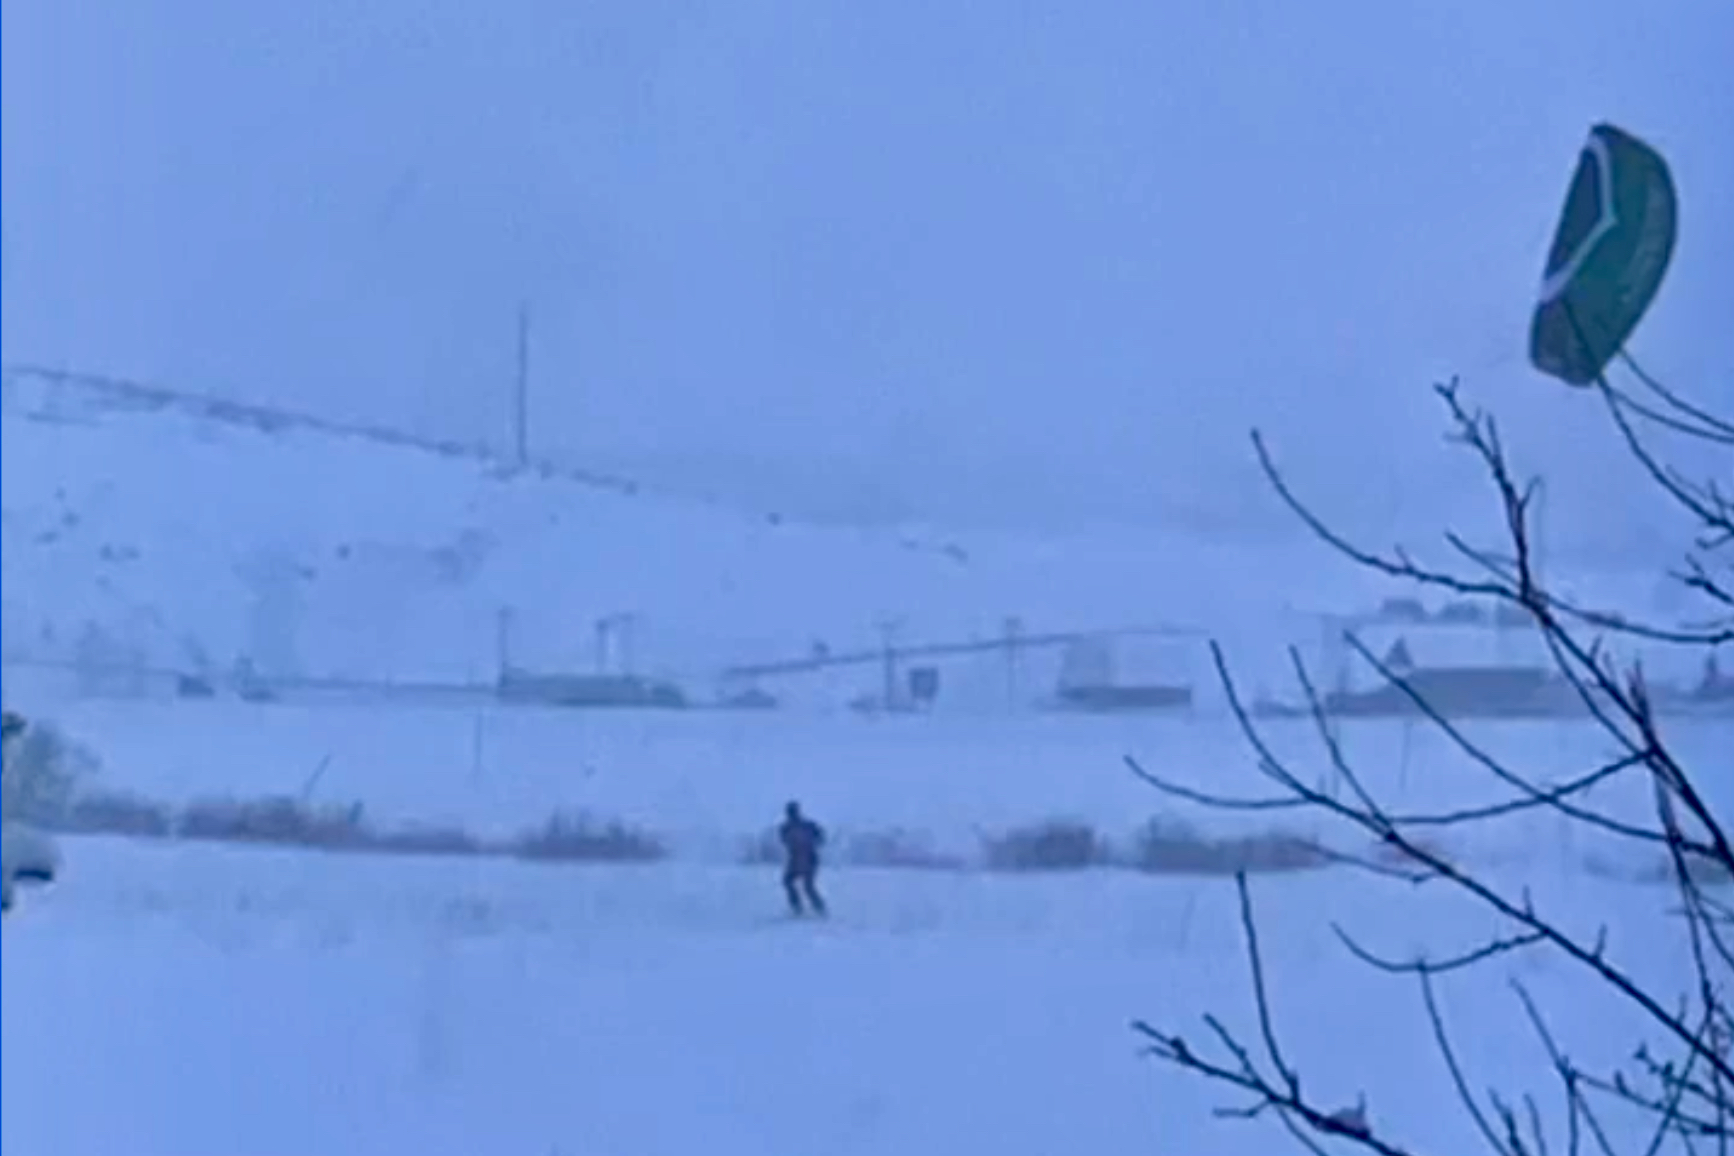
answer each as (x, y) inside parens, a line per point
(282, 821)
(1052, 845)
(1162, 846)
(114, 813)
(1168, 846)
(579, 837)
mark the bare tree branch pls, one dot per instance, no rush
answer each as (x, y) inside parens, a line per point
(1685, 1090)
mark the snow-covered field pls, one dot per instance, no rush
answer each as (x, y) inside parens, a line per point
(186, 1000)
(168, 1001)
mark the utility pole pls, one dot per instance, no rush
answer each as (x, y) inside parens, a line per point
(615, 652)
(622, 628)
(521, 391)
(503, 622)
(888, 629)
(1013, 635)
(604, 642)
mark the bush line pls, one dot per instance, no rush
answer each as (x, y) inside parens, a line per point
(1161, 846)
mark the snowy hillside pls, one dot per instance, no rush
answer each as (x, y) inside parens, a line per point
(191, 542)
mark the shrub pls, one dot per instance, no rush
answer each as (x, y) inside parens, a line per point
(427, 840)
(579, 837)
(44, 770)
(1175, 847)
(1701, 872)
(117, 813)
(279, 820)
(1055, 845)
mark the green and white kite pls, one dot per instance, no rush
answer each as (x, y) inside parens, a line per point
(1614, 240)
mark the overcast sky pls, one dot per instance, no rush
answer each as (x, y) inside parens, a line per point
(1001, 263)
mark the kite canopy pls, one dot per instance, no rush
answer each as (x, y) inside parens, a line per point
(1614, 241)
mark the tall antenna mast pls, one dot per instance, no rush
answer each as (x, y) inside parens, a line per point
(521, 391)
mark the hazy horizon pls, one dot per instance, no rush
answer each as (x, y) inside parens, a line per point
(996, 268)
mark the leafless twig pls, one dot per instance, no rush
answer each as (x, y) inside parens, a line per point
(1681, 1077)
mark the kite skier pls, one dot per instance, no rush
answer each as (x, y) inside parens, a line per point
(801, 838)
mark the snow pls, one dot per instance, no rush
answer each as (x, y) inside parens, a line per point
(162, 534)
(190, 541)
(204, 1002)
(336, 556)
(188, 1000)
(196, 1000)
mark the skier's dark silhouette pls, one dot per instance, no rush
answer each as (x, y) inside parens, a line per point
(802, 839)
